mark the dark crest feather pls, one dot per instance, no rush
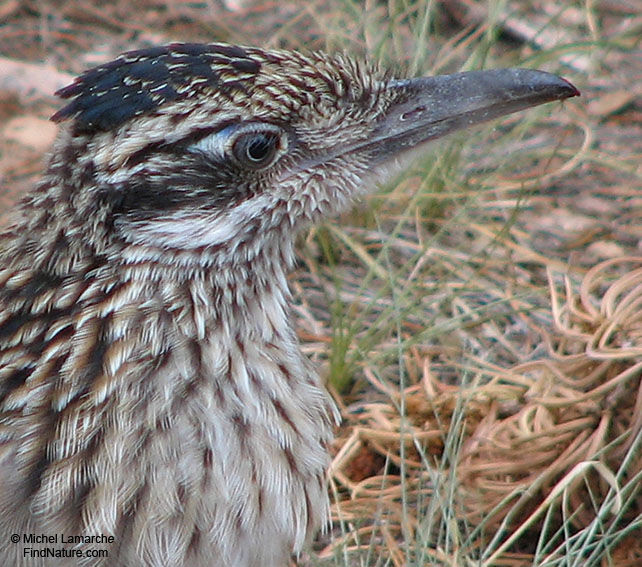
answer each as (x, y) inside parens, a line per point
(139, 81)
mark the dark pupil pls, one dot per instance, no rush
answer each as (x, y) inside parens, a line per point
(260, 147)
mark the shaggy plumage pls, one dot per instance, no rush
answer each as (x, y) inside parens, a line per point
(151, 385)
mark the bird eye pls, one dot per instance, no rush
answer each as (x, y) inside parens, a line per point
(256, 149)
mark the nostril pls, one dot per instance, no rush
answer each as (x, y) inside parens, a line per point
(412, 114)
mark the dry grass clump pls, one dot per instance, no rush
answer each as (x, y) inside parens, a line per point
(544, 449)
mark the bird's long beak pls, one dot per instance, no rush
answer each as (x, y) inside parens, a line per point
(430, 107)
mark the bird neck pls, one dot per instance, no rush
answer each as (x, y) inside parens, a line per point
(204, 291)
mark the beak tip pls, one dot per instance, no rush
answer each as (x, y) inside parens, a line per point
(532, 83)
(565, 89)
(573, 90)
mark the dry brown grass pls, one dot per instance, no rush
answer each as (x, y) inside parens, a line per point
(533, 435)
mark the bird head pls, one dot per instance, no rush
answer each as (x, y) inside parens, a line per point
(216, 152)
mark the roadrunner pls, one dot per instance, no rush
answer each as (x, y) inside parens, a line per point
(154, 402)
